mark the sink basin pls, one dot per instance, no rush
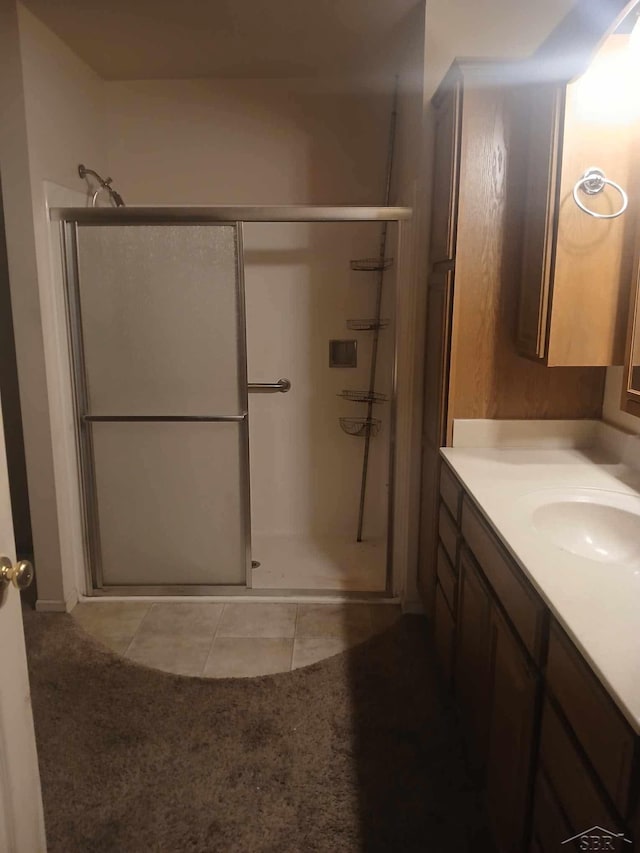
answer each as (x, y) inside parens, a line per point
(600, 525)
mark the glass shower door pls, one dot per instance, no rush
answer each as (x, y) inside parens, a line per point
(158, 333)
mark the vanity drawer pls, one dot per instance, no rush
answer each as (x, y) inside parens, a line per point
(603, 734)
(569, 777)
(447, 578)
(443, 634)
(448, 533)
(450, 491)
(525, 608)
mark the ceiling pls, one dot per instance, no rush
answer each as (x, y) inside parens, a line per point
(155, 39)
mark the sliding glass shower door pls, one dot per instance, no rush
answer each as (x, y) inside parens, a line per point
(158, 333)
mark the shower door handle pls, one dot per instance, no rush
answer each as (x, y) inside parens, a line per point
(279, 387)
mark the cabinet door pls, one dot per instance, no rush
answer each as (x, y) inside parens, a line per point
(578, 793)
(437, 346)
(550, 828)
(576, 268)
(592, 265)
(539, 115)
(445, 174)
(514, 710)
(473, 658)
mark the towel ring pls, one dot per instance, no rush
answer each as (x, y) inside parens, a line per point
(593, 182)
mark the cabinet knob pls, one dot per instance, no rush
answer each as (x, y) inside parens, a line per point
(20, 575)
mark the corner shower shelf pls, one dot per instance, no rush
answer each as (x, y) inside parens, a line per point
(371, 264)
(363, 396)
(367, 325)
(360, 427)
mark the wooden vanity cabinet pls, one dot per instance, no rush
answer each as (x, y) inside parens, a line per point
(496, 688)
(553, 752)
(444, 629)
(510, 588)
(568, 796)
(446, 589)
(576, 269)
(495, 682)
(512, 731)
(447, 504)
(472, 682)
(588, 756)
(550, 826)
(605, 737)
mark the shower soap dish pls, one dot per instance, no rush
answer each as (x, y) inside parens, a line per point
(363, 396)
(360, 426)
(371, 264)
(367, 325)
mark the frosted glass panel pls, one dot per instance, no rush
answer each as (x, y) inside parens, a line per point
(170, 505)
(160, 307)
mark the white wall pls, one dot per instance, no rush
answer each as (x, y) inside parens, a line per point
(63, 104)
(246, 141)
(305, 472)
(500, 29)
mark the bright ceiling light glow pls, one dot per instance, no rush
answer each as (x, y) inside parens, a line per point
(609, 91)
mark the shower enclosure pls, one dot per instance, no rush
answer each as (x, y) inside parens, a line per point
(157, 325)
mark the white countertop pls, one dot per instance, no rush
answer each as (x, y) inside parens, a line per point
(597, 603)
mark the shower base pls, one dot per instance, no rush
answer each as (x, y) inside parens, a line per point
(308, 562)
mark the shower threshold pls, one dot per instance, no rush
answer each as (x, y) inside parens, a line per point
(319, 563)
(292, 568)
(304, 568)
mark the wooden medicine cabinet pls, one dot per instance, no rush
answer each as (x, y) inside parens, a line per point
(580, 223)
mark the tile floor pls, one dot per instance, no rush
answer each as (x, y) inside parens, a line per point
(241, 639)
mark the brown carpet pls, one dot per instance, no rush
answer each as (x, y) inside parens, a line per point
(355, 753)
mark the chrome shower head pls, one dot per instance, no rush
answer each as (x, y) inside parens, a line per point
(105, 184)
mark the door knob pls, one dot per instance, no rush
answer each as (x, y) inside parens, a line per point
(20, 575)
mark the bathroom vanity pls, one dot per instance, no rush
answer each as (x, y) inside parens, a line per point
(529, 564)
(537, 626)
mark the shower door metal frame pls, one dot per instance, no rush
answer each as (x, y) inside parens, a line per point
(69, 218)
(83, 422)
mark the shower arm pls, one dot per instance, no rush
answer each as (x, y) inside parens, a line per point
(105, 184)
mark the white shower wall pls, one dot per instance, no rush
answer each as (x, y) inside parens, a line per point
(300, 291)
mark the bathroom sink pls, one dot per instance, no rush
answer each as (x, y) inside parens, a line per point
(594, 523)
